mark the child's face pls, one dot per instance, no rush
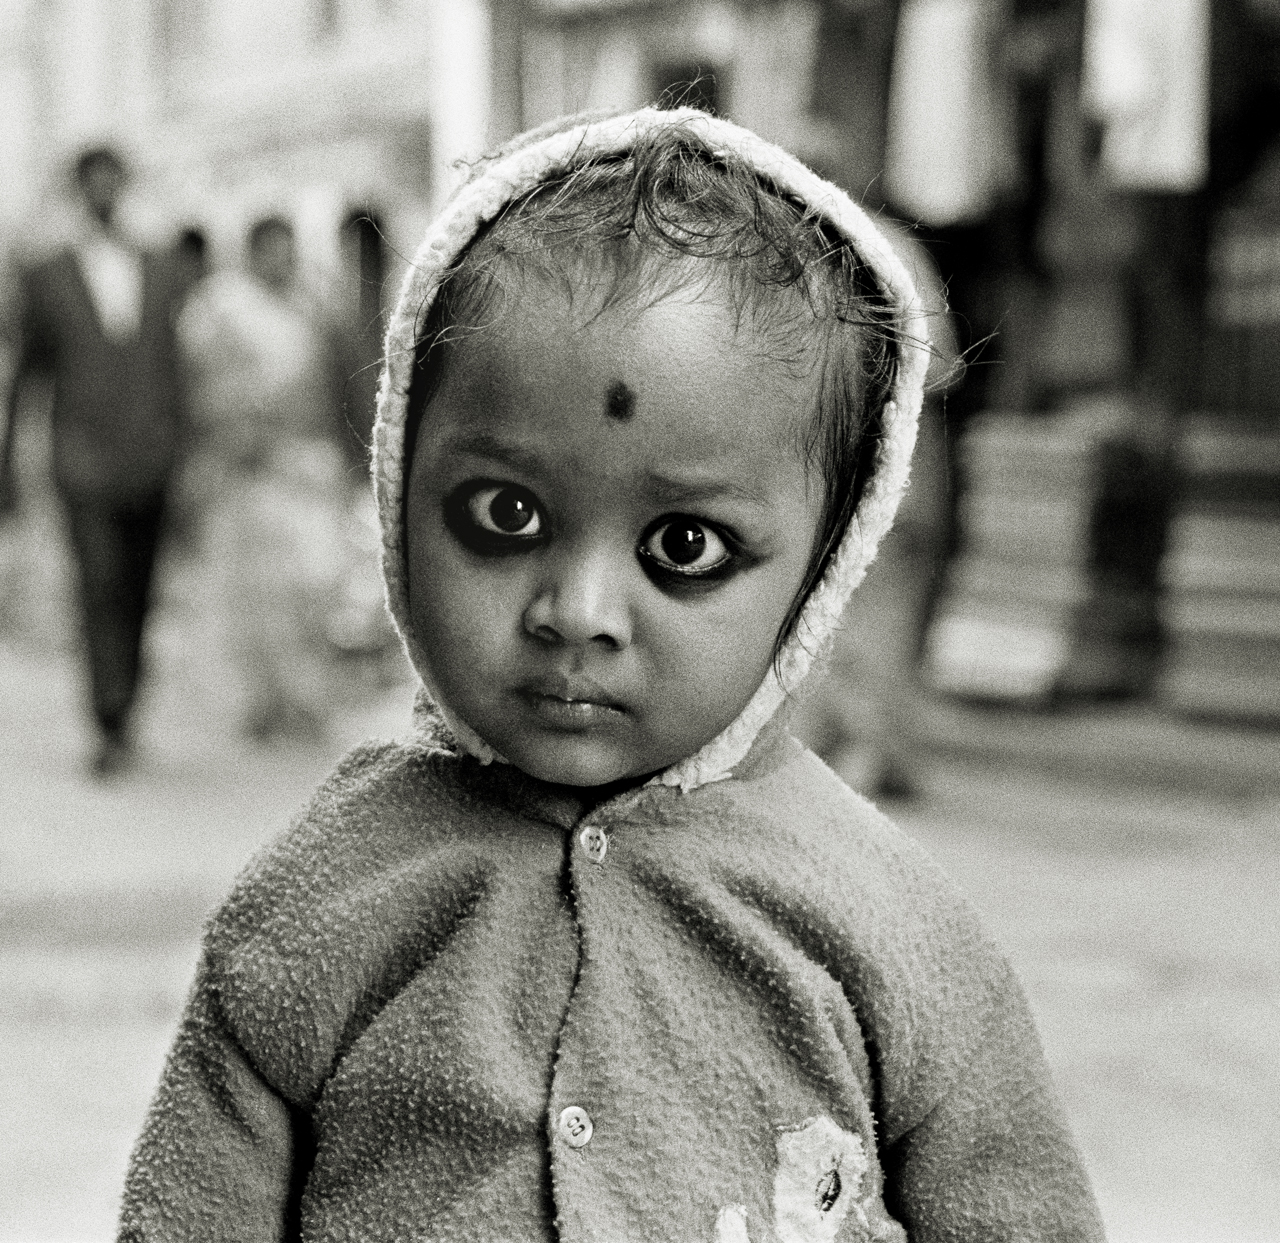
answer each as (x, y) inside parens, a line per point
(608, 519)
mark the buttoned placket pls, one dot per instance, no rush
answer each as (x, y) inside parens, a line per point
(574, 1126)
(577, 1123)
(594, 842)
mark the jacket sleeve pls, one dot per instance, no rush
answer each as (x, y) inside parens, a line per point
(985, 1151)
(216, 1156)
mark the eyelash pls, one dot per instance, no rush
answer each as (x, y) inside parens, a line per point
(659, 570)
(461, 521)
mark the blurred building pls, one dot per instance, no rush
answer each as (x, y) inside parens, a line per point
(1119, 487)
(1099, 181)
(1099, 184)
(811, 75)
(347, 117)
(324, 111)
(330, 110)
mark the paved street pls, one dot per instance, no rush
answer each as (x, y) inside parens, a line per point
(1144, 925)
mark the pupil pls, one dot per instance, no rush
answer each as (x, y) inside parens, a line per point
(510, 511)
(683, 542)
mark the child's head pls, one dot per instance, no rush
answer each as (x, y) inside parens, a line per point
(644, 406)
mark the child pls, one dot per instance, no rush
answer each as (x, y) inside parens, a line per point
(601, 953)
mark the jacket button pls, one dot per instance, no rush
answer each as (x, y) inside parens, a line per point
(575, 1126)
(595, 841)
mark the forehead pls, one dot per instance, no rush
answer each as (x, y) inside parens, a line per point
(701, 382)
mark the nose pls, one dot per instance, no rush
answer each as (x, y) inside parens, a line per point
(580, 602)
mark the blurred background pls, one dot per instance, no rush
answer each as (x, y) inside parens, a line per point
(1062, 675)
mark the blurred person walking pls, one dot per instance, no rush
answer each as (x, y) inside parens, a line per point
(267, 478)
(98, 317)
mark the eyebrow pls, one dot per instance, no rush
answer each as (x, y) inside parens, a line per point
(486, 445)
(671, 491)
(666, 489)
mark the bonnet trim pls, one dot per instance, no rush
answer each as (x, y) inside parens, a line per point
(516, 170)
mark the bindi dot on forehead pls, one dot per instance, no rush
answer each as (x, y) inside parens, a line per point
(619, 401)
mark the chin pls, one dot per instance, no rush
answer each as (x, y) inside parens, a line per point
(575, 762)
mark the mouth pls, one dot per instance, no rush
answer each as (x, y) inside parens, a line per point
(570, 702)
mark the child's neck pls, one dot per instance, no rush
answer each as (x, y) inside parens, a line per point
(593, 796)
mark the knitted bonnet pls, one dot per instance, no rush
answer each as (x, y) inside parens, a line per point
(520, 167)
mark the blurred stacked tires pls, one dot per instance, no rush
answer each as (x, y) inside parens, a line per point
(1052, 593)
(1221, 573)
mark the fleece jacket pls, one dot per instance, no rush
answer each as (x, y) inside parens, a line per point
(731, 1005)
(456, 1003)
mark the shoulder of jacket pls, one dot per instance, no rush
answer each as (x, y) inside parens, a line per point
(806, 793)
(368, 764)
(910, 950)
(835, 852)
(375, 790)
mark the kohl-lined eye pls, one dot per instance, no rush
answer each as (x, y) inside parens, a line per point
(505, 510)
(685, 546)
(495, 519)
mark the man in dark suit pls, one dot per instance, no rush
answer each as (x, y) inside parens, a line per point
(98, 317)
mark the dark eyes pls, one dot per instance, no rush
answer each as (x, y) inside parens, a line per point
(495, 519)
(686, 547)
(505, 510)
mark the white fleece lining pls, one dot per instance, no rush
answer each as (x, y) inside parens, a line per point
(478, 201)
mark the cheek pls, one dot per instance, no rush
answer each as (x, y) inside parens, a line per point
(463, 617)
(726, 648)
(465, 613)
(709, 671)
(713, 653)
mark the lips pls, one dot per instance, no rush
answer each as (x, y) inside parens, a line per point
(570, 702)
